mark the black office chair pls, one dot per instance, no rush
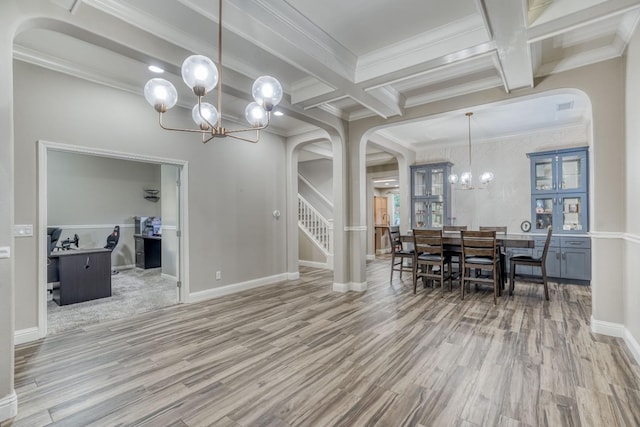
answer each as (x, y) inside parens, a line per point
(112, 242)
(54, 235)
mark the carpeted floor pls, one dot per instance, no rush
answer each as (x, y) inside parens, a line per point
(133, 291)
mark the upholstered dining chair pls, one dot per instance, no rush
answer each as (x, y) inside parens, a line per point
(398, 253)
(429, 253)
(454, 227)
(532, 261)
(455, 252)
(479, 254)
(501, 229)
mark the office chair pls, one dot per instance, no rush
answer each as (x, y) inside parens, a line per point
(54, 235)
(112, 242)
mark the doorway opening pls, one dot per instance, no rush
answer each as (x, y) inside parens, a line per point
(121, 216)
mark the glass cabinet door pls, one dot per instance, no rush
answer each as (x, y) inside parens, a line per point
(419, 182)
(420, 209)
(543, 174)
(543, 212)
(572, 172)
(572, 212)
(436, 187)
(436, 214)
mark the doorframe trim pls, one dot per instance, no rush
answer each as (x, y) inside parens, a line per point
(43, 147)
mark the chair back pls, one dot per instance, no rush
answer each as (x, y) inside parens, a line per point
(113, 238)
(498, 229)
(454, 228)
(394, 238)
(54, 234)
(478, 244)
(543, 258)
(427, 242)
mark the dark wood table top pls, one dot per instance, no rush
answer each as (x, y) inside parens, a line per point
(506, 240)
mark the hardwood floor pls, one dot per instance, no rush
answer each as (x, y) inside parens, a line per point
(297, 353)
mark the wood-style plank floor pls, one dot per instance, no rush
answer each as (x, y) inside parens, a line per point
(297, 353)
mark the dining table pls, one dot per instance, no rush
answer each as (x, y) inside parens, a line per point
(453, 238)
(452, 241)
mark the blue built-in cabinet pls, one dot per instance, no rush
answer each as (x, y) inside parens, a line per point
(559, 191)
(560, 199)
(430, 195)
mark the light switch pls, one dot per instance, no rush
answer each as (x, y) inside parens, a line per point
(25, 230)
(5, 252)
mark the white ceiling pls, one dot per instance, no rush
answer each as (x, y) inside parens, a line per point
(351, 59)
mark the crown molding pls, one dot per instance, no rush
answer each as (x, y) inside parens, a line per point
(453, 91)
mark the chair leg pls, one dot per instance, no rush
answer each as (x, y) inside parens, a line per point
(513, 278)
(497, 282)
(415, 276)
(393, 258)
(544, 281)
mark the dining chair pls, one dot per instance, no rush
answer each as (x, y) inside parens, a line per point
(398, 253)
(532, 261)
(429, 253)
(479, 253)
(455, 252)
(454, 227)
(501, 229)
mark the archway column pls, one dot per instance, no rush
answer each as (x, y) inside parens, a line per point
(8, 400)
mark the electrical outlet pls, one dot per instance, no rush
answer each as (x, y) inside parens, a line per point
(218, 275)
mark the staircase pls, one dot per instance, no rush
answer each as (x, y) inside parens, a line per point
(315, 226)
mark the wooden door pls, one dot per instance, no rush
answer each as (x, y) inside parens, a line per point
(380, 215)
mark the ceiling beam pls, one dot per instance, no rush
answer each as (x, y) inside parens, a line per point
(576, 19)
(508, 25)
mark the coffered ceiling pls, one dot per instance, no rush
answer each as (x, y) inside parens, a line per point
(352, 59)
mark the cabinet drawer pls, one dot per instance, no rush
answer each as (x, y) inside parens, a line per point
(555, 241)
(575, 242)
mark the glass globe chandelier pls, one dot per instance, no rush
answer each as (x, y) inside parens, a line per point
(466, 178)
(202, 76)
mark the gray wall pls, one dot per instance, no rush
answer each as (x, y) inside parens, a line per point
(234, 186)
(631, 284)
(506, 201)
(320, 174)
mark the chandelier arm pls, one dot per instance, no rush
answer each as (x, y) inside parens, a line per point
(253, 141)
(180, 129)
(256, 128)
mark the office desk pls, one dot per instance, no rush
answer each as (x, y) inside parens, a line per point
(148, 251)
(84, 275)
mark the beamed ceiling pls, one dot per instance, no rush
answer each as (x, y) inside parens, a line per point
(351, 59)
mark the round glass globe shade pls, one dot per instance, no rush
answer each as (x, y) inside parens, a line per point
(267, 91)
(200, 74)
(161, 94)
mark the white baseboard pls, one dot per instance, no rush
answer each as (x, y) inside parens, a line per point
(124, 267)
(314, 264)
(236, 287)
(26, 335)
(340, 287)
(607, 328)
(371, 257)
(8, 406)
(358, 287)
(346, 287)
(617, 330)
(293, 276)
(383, 251)
(633, 344)
(168, 276)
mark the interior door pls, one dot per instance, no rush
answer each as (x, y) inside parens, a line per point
(380, 215)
